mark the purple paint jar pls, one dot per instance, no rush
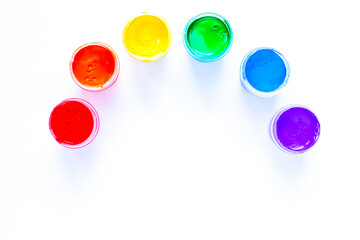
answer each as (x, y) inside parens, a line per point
(295, 129)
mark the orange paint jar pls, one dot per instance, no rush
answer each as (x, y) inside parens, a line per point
(94, 66)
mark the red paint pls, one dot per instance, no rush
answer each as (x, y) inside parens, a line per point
(93, 65)
(71, 122)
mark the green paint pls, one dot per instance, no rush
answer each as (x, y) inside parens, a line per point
(208, 38)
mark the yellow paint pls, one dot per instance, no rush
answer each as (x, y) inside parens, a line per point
(147, 37)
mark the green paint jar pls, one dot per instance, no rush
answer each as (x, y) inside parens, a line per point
(207, 37)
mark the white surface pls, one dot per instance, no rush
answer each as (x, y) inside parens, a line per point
(183, 152)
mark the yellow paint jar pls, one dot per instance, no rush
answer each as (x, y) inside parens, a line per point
(147, 37)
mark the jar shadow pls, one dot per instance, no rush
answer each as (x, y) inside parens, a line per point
(259, 109)
(78, 166)
(206, 77)
(148, 80)
(291, 169)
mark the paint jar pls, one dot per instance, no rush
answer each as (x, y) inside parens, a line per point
(207, 37)
(264, 72)
(147, 37)
(295, 129)
(74, 123)
(94, 66)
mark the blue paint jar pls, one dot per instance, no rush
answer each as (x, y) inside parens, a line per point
(264, 72)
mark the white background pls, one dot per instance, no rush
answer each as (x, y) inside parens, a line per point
(183, 152)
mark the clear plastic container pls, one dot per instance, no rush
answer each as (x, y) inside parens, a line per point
(94, 66)
(207, 37)
(295, 129)
(264, 72)
(147, 37)
(74, 123)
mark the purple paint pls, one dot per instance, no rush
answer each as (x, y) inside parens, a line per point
(295, 129)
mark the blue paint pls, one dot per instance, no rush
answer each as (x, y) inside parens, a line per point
(265, 70)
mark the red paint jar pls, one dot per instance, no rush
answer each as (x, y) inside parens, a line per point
(94, 66)
(74, 123)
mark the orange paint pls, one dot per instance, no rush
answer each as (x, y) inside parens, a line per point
(93, 65)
